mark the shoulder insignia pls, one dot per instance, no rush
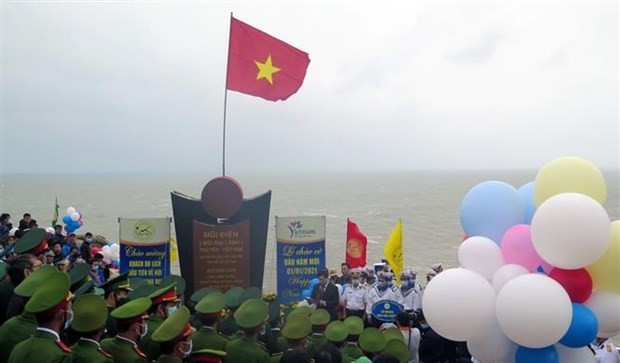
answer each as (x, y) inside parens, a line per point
(62, 346)
(140, 353)
(105, 354)
(279, 354)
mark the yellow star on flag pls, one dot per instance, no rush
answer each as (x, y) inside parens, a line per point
(266, 70)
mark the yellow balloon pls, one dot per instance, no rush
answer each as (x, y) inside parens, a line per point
(569, 175)
(606, 271)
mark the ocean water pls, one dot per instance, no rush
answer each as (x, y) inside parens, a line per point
(427, 201)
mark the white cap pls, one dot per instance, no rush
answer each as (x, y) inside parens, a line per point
(12, 231)
(50, 230)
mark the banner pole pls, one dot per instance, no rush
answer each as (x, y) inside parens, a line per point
(225, 101)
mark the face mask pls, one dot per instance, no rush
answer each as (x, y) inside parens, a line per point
(187, 352)
(411, 283)
(146, 329)
(370, 280)
(382, 285)
(69, 320)
(356, 282)
(171, 310)
(89, 240)
(262, 330)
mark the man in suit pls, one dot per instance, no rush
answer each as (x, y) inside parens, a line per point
(325, 294)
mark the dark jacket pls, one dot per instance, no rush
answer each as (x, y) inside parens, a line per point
(329, 295)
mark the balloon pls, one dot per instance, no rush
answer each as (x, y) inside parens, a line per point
(605, 271)
(541, 355)
(75, 225)
(533, 310)
(490, 208)
(517, 247)
(582, 329)
(306, 294)
(575, 355)
(494, 347)
(505, 274)
(481, 255)
(526, 193)
(66, 219)
(75, 216)
(571, 230)
(69, 228)
(459, 305)
(605, 306)
(314, 282)
(577, 283)
(70, 210)
(569, 175)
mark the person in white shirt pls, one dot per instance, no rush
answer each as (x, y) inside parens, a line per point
(353, 296)
(411, 336)
(408, 294)
(381, 291)
(605, 351)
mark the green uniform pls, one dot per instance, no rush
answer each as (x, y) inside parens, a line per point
(13, 331)
(110, 324)
(6, 291)
(272, 340)
(148, 346)
(316, 342)
(245, 350)
(352, 350)
(89, 351)
(228, 327)
(42, 347)
(169, 359)
(208, 338)
(123, 350)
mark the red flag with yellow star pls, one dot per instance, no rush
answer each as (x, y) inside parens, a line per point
(263, 66)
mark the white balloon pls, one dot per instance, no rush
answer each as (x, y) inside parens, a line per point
(70, 210)
(482, 255)
(75, 216)
(494, 347)
(606, 306)
(574, 355)
(505, 274)
(571, 230)
(534, 310)
(459, 304)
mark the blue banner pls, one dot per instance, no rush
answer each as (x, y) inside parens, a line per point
(386, 310)
(150, 263)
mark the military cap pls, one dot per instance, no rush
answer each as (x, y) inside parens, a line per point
(207, 356)
(336, 331)
(319, 317)
(136, 282)
(175, 328)
(250, 293)
(251, 313)
(3, 268)
(297, 327)
(89, 313)
(29, 286)
(172, 279)
(233, 295)
(355, 325)
(301, 310)
(274, 311)
(78, 275)
(371, 340)
(399, 349)
(51, 297)
(167, 293)
(132, 311)
(142, 291)
(87, 288)
(393, 334)
(120, 282)
(200, 293)
(213, 303)
(34, 242)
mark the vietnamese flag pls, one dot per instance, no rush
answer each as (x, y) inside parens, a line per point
(356, 245)
(263, 66)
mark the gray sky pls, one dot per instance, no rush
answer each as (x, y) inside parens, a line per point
(138, 87)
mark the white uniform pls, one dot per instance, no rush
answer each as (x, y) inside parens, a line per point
(606, 352)
(353, 298)
(410, 299)
(373, 295)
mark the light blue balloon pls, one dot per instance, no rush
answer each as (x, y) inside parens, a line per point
(542, 355)
(306, 293)
(526, 192)
(313, 282)
(583, 327)
(490, 208)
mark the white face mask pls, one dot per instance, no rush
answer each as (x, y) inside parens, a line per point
(187, 352)
(146, 329)
(69, 320)
(171, 310)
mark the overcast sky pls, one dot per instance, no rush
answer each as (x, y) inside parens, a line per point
(139, 87)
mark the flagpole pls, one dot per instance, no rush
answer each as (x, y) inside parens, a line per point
(225, 101)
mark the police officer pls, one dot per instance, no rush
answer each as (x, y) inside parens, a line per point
(209, 309)
(372, 342)
(131, 323)
(250, 317)
(174, 336)
(115, 293)
(227, 326)
(296, 331)
(164, 302)
(89, 323)
(207, 356)
(355, 327)
(319, 320)
(336, 333)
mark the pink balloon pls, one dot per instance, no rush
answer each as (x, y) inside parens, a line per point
(517, 247)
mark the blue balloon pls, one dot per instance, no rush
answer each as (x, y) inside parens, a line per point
(75, 225)
(490, 208)
(583, 327)
(542, 355)
(306, 294)
(313, 282)
(69, 228)
(526, 192)
(67, 219)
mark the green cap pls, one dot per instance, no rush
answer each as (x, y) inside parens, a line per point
(78, 275)
(213, 303)
(399, 349)
(165, 294)
(274, 311)
(173, 328)
(233, 295)
(120, 282)
(336, 331)
(87, 288)
(300, 310)
(142, 291)
(319, 317)
(52, 296)
(200, 293)
(297, 327)
(371, 340)
(136, 282)
(29, 286)
(132, 311)
(89, 313)
(354, 324)
(393, 334)
(3, 268)
(251, 313)
(250, 293)
(206, 355)
(32, 242)
(170, 279)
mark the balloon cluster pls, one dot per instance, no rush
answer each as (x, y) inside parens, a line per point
(306, 293)
(111, 253)
(72, 220)
(540, 276)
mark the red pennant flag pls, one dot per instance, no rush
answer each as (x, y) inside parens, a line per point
(356, 245)
(263, 66)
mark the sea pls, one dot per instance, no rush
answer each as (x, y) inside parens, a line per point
(428, 203)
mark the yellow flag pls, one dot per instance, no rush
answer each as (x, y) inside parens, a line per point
(394, 250)
(174, 250)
